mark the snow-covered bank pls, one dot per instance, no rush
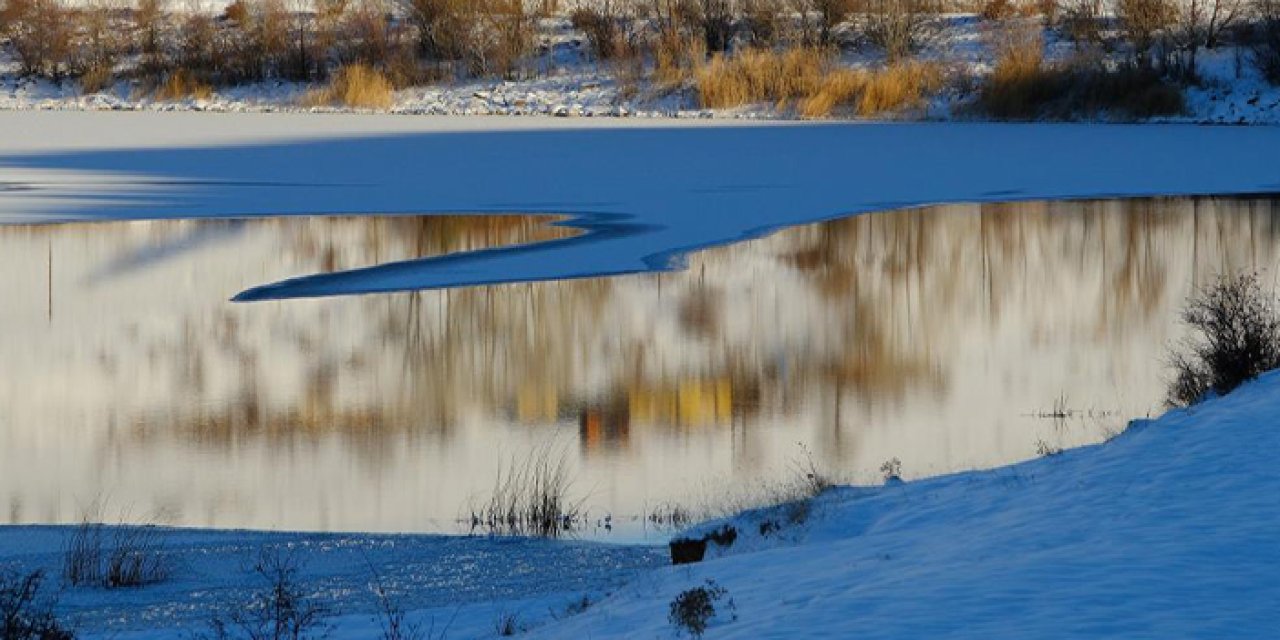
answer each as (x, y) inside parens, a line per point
(674, 187)
(570, 83)
(1166, 531)
(461, 583)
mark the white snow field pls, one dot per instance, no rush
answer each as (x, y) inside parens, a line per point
(1166, 531)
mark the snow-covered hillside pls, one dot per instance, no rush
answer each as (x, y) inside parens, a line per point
(1166, 531)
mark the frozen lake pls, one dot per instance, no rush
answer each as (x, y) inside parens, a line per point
(940, 336)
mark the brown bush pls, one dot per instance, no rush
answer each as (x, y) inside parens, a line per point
(98, 46)
(764, 22)
(605, 25)
(1143, 22)
(1023, 86)
(40, 35)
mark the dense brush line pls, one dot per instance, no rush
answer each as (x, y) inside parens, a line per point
(724, 52)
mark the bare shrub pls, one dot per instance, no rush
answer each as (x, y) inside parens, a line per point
(502, 37)
(444, 27)
(39, 34)
(1266, 40)
(98, 46)
(25, 614)
(357, 86)
(530, 497)
(1082, 22)
(200, 53)
(820, 19)
(392, 620)
(693, 609)
(1143, 23)
(1236, 338)
(149, 20)
(899, 27)
(763, 21)
(281, 610)
(602, 26)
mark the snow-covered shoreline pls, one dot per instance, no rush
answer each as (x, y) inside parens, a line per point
(1163, 531)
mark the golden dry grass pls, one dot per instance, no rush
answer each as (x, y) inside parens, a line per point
(809, 79)
(181, 85)
(358, 86)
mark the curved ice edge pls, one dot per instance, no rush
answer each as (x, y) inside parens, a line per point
(427, 273)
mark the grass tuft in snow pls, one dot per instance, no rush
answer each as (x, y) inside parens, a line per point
(1236, 339)
(530, 497)
(114, 557)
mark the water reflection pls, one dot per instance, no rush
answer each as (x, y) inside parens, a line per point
(936, 336)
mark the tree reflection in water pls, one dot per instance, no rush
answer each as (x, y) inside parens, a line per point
(931, 335)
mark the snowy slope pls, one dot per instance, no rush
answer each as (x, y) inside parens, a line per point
(1167, 531)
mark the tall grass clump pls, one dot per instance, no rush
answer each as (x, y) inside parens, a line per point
(182, 84)
(1236, 337)
(357, 86)
(530, 497)
(905, 85)
(120, 556)
(1023, 86)
(808, 79)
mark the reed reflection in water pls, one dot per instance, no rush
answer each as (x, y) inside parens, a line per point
(935, 336)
